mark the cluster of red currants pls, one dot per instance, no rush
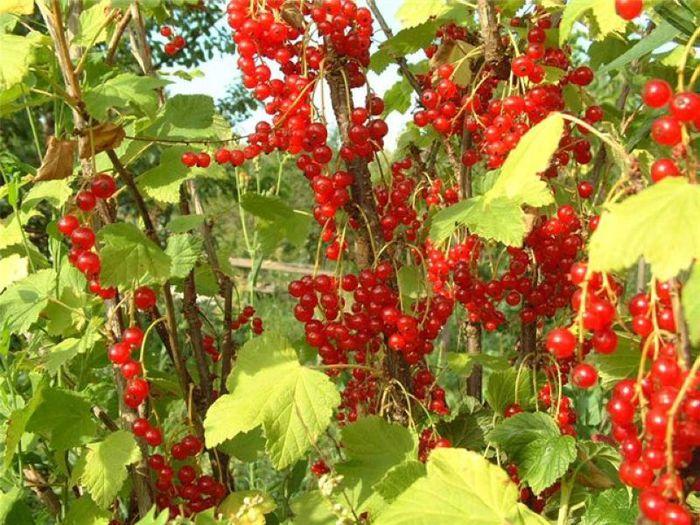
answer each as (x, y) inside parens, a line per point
(185, 492)
(82, 238)
(658, 448)
(175, 44)
(374, 318)
(429, 440)
(192, 159)
(496, 124)
(394, 205)
(536, 503)
(267, 35)
(246, 316)
(667, 130)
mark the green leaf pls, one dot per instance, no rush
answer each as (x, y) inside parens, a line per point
(414, 12)
(16, 425)
(498, 214)
(534, 443)
(183, 250)
(13, 510)
(311, 508)
(501, 220)
(234, 502)
(462, 363)
(622, 364)
(460, 487)
(13, 268)
(246, 445)
(153, 517)
(398, 478)
(653, 224)
(604, 12)
(458, 53)
(517, 431)
(62, 416)
(403, 43)
(411, 280)
(519, 180)
(398, 97)
(185, 223)
(610, 507)
(501, 389)
(121, 92)
(92, 29)
(691, 304)
(464, 431)
(55, 192)
(17, 7)
(552, 74)
(572, 97)
(544, 461)
(163, 181)
(23, 301)
(18, 55)
(129, 257)
(598, 465)
(190, 111)
(83, 511)
(372, 447)
(278, 216)
(662, 34)
(61, 353)
(604, 51)
(105, 466)
(269, 387)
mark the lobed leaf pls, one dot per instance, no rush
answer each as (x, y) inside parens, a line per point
(656, 224)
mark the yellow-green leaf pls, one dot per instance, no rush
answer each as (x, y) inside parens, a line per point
(460, 487)
(12, 268)
(691, 304)
(269, 387)
(17, 56)
(105, 466)
(660, 223)
(17, 7)
(519, 179)
(603, 11)
(414, 12)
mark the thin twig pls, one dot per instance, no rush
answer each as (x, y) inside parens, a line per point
(117, 36)
(401, 61)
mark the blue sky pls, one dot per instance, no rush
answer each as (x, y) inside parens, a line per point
(221, 71)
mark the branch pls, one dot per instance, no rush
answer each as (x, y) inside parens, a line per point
(401, 61)
(362, 209)
(190, 310)
(226, 287)
(494, 54)
(116, 37)
(43, 491)
(135, 194)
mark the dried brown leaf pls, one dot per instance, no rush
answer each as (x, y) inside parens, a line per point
(100, 138)
(291, 14)
(58, 160)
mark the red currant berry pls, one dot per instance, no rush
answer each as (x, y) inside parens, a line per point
(67, 224)
(584, 375)
(103, 186)
(629, 9)
(144, 298)
(657, 93)
(561, 343)
(85, 200)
